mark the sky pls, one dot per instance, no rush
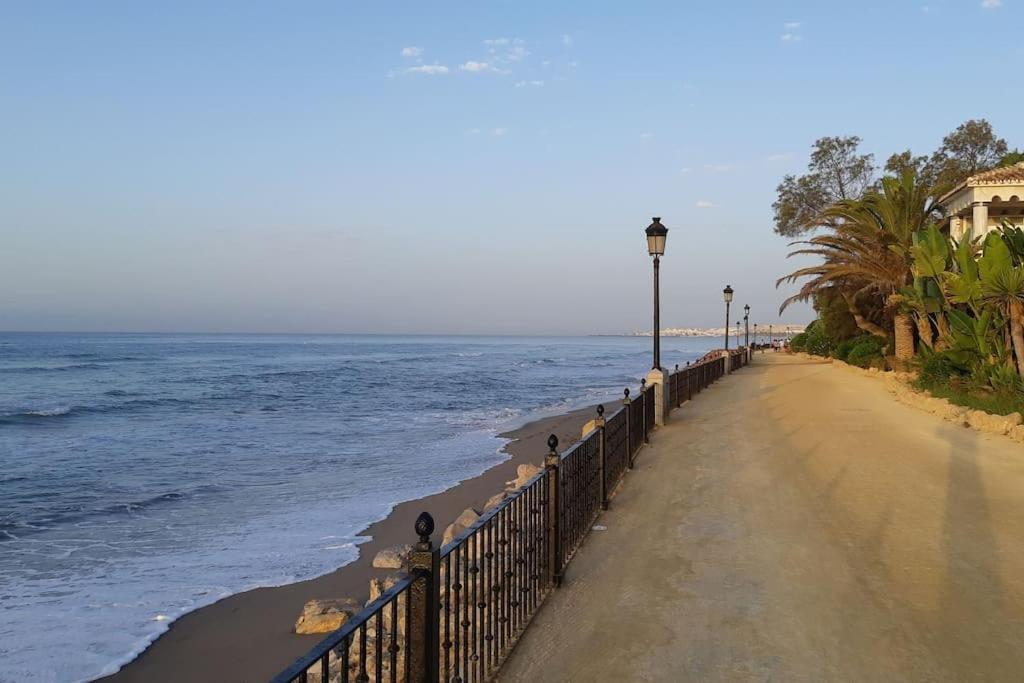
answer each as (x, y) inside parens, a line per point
(451, 167)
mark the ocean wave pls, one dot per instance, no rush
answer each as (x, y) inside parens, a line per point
(36, 415)
(54, 368)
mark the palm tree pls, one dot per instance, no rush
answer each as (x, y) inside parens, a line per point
(1002, 285)
(869, 254)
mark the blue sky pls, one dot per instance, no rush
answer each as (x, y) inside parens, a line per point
(446, 167)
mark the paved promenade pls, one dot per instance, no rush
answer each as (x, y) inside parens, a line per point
(795, 523)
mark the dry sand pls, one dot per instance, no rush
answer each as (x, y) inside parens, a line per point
(248, 637)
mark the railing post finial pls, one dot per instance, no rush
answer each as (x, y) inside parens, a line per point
(424, 565)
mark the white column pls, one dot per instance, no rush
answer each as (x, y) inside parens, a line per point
(979, 220)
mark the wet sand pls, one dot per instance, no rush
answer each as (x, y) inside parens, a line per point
(248, 636)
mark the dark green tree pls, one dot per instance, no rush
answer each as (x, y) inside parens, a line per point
(837, 171)
(971, 148)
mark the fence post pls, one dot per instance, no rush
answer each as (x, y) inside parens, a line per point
(551, 464)
(602, 449)
(679, 389)
(424, 565)
(629, 428)
(643, 401)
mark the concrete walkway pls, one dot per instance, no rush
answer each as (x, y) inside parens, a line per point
(795, 523)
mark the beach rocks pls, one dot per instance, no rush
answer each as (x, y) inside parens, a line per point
(524, 473)
(392, 558)
(324, 616)
(462, 522)
(495, 500)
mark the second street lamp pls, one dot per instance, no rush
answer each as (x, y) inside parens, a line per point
(727, 295)
(656, 235)
(746, 327)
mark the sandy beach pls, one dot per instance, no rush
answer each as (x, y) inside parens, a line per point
(249, 636)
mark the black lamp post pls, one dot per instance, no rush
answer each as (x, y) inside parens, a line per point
(771, 337)
(656, 235)
(727, 295)
(746, 326)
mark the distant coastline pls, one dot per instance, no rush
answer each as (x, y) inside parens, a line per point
(778, 330)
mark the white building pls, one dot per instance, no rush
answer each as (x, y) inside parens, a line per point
(985, 201)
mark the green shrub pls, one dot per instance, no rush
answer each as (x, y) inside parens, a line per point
(818, 342)
(867, 353)
(843, 348)
(935, 368)
(798, 342)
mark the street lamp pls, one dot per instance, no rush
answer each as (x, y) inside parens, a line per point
(746, 327)
(771, 337)
(727, 295)
(656, 235)
(755, 334)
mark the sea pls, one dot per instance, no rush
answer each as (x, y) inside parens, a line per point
(143, 476)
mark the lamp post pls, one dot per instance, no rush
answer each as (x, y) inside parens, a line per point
(656, 235)
(755, 334)
(746, 327)
(727, 295)
(658, 378)
(771, 338)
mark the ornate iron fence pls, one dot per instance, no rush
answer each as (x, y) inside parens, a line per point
(372, 646)
(649, 413)
(493, 578)
(460, 610)
(580, 479)
(616, 444)
(636, 426)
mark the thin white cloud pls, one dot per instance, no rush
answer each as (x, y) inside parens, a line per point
(791, 34)
(412, 51)
(718, 168)
(475, 67)
(785, 156)
(526, 84)
(991, 4)
(566, 40)
(472, 131)
(499, 131)
(646, 136)
(428, 69)
(517, 53)
(704, 204)
(685, 169)
(496, 42)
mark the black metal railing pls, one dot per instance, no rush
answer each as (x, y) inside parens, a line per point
(493, 579)
(636, 426)
(649, 412)
(616, 444)
(580, 479)
(460, 609)
(372, 646)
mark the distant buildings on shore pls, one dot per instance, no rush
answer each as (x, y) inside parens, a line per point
(778, 330)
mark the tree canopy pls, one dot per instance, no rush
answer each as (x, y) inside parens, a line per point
(838, 171)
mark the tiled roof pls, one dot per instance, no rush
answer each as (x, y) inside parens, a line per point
(1007, 175)
(999, 176)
